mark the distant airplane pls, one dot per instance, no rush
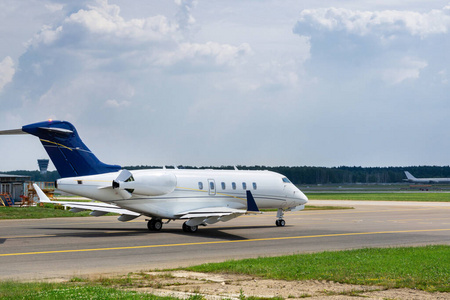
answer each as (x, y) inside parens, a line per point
(413, 179)
(199, 197)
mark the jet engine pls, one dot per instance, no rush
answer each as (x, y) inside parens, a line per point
(149, 183)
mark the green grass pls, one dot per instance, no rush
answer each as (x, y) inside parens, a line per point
(63, 291)
(432, 197)
(37, 212)
(426, 268)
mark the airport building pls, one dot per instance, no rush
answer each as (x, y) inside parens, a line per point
(13, 185)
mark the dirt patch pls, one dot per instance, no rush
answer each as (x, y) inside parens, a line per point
(183, 284)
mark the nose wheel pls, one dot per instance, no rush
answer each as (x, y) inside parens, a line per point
(280, 221)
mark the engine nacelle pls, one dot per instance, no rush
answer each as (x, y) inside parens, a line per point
(152, 184)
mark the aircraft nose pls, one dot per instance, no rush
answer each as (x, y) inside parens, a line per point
(303, 198)
(300, 197)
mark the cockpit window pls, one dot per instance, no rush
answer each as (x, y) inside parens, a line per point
(286, 180)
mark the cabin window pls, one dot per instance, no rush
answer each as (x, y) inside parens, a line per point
(211, 185)
(286, 180)
(200, 185)
(244, 185)
(223, 186)
(255, 186)
(233, 185)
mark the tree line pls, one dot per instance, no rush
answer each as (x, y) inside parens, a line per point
(305, 174)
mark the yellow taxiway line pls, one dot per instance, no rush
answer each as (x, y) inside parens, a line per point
(223, 242)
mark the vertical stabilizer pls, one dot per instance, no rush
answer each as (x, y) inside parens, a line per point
(409, 176)
(68, 153)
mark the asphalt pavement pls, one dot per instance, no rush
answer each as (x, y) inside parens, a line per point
(68, 247)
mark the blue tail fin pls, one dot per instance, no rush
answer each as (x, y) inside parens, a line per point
(68, 153)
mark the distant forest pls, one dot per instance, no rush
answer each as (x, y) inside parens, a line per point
(305, 175)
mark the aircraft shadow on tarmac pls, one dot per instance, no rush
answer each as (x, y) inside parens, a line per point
(204, 232)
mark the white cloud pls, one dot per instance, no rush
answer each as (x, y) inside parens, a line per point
(103, 37)
(6, 71)
(54, 7)
(380, 23)
(184, 16)
(409, 68)
(117, 104)
(104, 21)
(194, 53)
(46, 36)
(443, 76)
(209, 75)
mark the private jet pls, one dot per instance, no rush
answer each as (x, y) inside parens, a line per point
(197, 197)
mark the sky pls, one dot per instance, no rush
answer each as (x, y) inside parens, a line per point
(230, 82)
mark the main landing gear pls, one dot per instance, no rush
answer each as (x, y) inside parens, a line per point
(191, 229)
(155, 224)
(280, 221)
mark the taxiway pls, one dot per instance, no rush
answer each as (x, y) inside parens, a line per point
(68, 247)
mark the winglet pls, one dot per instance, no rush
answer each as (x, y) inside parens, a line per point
(251, 204)
(42, 196)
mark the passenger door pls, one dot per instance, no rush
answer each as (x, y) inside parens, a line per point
(212, 186)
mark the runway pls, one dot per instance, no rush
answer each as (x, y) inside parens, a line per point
(68, 247)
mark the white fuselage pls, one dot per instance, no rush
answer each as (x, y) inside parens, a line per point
(165, 193)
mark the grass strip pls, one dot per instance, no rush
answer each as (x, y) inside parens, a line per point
(426, 268)
(38, 212)
(425, 197)
(66, 291)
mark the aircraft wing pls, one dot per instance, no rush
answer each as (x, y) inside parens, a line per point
(212, 215)
(98, 208)
(210, 212)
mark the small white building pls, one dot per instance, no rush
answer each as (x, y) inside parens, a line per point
(13, 185)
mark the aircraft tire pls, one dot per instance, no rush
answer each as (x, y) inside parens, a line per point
(157, 225)
(150, 225)
(280, 223)
(191, 229)
(154, 225)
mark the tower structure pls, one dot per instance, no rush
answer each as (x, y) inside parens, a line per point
(43, 165)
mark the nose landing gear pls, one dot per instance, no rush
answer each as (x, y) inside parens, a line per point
(280, 221)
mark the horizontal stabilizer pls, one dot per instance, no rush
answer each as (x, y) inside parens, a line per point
(96, 207)
(42, 196)
(12, 132)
